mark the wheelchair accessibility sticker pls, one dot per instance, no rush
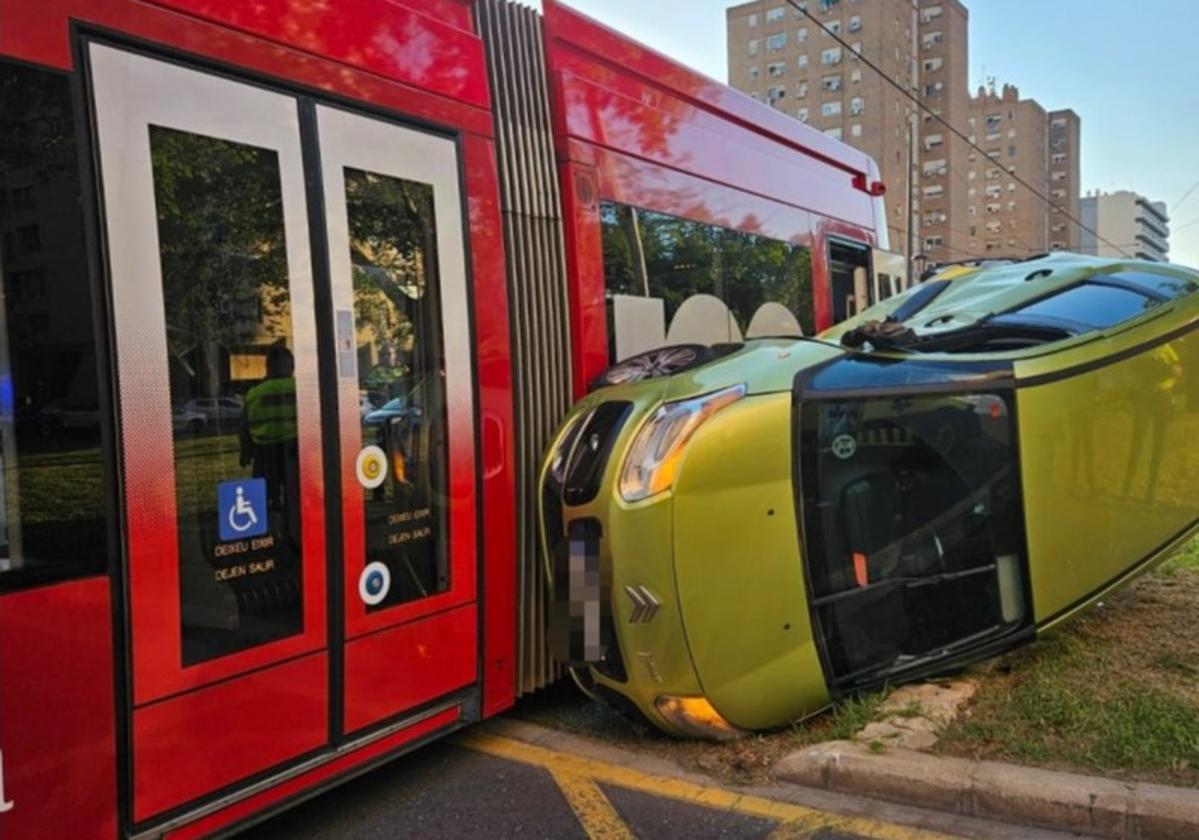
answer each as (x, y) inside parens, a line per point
(241, 507)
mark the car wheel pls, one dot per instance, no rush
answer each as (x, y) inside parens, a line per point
(664, 361)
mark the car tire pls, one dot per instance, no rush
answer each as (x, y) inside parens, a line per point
(663, 361)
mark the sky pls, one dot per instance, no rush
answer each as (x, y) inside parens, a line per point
(1130, 71)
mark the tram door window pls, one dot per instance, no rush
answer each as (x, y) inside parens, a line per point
(228, 328)
(393, 254)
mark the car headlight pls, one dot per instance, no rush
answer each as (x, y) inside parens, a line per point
(654, 457)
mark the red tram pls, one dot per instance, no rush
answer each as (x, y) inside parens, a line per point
(293, 294)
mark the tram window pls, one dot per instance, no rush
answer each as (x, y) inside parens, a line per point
(229, 343)
(656, 255)
(401, 369)
(52, 477)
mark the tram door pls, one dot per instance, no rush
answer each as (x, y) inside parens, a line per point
(294, 388)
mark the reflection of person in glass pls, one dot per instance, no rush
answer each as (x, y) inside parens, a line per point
(268, 437)
(1151, 412)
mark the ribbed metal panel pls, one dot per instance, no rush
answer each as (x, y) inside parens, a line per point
(537, 292)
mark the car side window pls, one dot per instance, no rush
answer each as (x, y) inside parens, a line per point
(52, 476)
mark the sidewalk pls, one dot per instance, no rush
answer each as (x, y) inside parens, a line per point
(991, 790)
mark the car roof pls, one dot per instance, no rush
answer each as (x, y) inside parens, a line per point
(968, 295)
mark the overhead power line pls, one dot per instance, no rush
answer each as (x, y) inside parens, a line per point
(1185, 196)
(930, 112)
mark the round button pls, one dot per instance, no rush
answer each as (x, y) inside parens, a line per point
(371, 467)
(374, 583)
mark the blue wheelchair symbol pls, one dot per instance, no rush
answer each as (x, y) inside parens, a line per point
(241, 508)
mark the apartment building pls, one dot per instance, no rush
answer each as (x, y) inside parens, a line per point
(1004, 217)
(943, 67)
(964, 204)
(777, 55)
(1129, 222)
(1065, 181)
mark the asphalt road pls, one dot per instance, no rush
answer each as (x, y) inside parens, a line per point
(449, 791)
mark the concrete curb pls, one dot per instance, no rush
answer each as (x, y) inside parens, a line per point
(991, 790)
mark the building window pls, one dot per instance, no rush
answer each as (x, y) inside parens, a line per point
(931, 39)
(752, 47)
(776, 41)
(856, 106)
(753, 20)
(1059, 122)
(827, 5)
(935, 167)
(833, 27)
(1058, 176)
(775, 14)
(855, 76)
(776, 68)
(830, 83)
(934, 89)
(802, 61)
(801, 90)
(774, 94)
(933, 190)
(855, 50)
(933, 141)
(1059, 157)
(834, 133)
(1011, 151)
(855, 23)
(801, 35)
(802, 113)
(830, 56)
(930, 13)
(753, 72)
(830, 109)
(932, 243)
(932, 64)
(22, 198)
(855, 130)
(29, 237)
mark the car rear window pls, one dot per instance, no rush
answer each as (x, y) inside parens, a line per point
(1091, 304)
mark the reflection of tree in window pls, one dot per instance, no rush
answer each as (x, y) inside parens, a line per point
(228, 329)
(390, 249)
(658, 255)
(224, 257)
(393, 262)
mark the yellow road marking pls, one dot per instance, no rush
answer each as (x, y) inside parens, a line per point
(596, 814)
(796, 819)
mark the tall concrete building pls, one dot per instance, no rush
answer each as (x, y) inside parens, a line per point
(1065, 181)
(942, 86)
(1129, 222)
(776, 54)
(1024, 143)
(1005, 218)
(964, 206)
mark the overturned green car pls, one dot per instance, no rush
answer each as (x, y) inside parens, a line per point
(738, 536)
